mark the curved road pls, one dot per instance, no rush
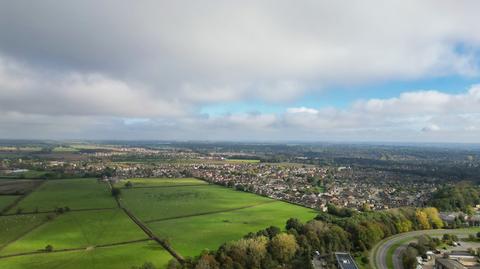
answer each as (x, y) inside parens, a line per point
(378, 255)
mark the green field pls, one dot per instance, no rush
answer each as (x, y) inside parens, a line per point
(192, 214)
(150, 182)
(12, 227)
(194, 218)
(115, 257)
(79, 229)
(74, 193)
(6, 200)
(242, 161)
(191, 235)
(64, 149)
(160, 203)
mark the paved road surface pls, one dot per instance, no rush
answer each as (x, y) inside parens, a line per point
(378, 255)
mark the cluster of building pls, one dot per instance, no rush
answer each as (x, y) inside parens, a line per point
(455, 259)
(356, 187)
(313, 186)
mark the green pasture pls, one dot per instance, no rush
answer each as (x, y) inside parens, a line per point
(13, 227)
(6, 200)
(74, 193)
(17, 186)
(160, 203)
(152, 182)
(191, 235)
(242, 161)
(79, 229)
(194, 218)
(115, 257)
(64, 149)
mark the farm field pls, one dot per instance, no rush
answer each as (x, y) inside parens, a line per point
(191, 235)
(6, 200)
(194, 218)
(163, 203)
(17, 186)
(150, 182)
(242, 161)
(12, 227)
(95, 233)
(115, 257)
(74, 193)
(79, 229)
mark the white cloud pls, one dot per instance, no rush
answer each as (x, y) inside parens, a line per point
(26, 90)
(214, 51)
(116, 66)
(431, 128)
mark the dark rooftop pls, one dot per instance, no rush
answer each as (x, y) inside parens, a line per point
(345, 261)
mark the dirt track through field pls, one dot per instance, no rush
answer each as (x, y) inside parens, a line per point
(209, 213)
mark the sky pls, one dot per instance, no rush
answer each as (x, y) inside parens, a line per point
(393, 71)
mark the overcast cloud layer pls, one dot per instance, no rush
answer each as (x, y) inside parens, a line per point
(124, 70)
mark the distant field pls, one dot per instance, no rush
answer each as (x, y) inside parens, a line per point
(115, 257)
(149, 182)
(24, 149)
(64, 149)
(24, 175)
(11, 227)
(197, 217)
(191, 235)
(6, 200)
(79, 229)
(74, 193)
(242, 161)
(17, 186)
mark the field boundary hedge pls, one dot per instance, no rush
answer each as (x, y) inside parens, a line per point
(53, 211)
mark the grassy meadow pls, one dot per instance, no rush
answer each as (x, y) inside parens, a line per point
(191, 235)
(13, 227)
(80, 193)
(194, 218)
(192, 214)
(169, 182)
(79, 229)
(115, 257)
(6, 200)
(163, 203)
